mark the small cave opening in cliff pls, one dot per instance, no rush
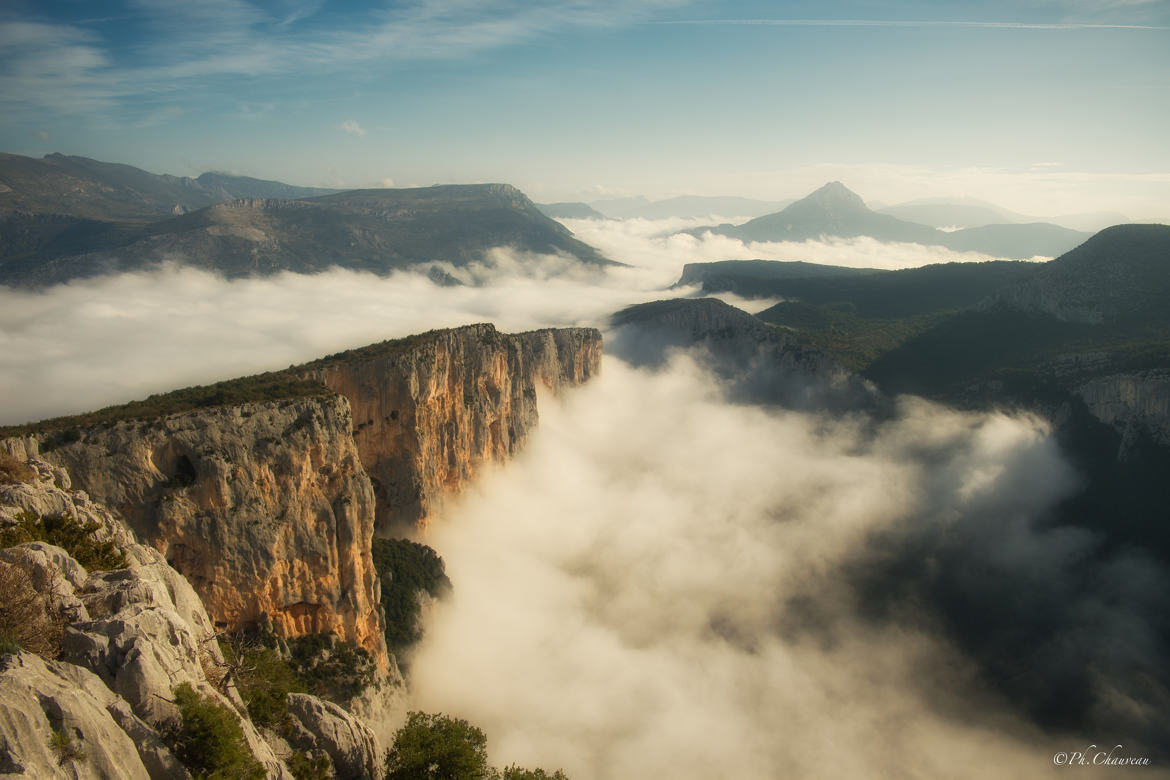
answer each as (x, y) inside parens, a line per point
(184, 473)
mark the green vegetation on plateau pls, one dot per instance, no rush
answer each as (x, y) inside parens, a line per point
(271, 386)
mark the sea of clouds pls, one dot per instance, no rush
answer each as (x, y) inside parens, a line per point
(94, 342)
(664, 583)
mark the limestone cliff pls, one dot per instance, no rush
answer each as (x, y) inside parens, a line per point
(251, 512)
(263, 507)
(268, 508)
(430, 411)
(1132, 403)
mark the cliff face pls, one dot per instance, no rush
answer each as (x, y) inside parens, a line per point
(263, 507)
(1131, 403)
(268, 508)
(130, 636)
(428, 414)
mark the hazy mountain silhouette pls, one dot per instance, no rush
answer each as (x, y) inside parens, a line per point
(758, 363)
(835, 211)
(939, 213)
(969, 212)
(91, 189)
(569, 210)
(373, 230)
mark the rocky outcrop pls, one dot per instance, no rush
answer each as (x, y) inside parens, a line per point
(430, 411)
(263, 513)
(264, 507)
(322, 725)
(57, 720)
(131, 636)
(1132, 403)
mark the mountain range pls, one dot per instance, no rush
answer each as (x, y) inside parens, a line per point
(685, 207)
(112, 192)
(68, 217)
(569, 210)
(970, 212)
(835, 211)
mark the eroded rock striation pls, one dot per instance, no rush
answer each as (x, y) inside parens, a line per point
(1131, 403)
(264, 507)
(269, 508)
(430, 411)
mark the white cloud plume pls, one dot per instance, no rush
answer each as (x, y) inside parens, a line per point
(654, 244)
(351, 126)
(622, 590)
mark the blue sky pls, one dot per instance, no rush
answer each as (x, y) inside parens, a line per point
(1045, 106)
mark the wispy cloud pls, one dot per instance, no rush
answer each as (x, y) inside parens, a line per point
(351, 126)
(447, 30)
(913, 23)
(68, 67)
(47, 64)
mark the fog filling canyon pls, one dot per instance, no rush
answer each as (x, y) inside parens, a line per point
(665, 584)
(661, 585)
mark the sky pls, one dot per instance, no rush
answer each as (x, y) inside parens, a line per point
(1043, 106)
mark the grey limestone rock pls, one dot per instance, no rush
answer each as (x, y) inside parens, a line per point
(56, 721)
(322, 725)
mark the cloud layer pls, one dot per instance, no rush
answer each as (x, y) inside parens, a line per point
(657, 587)
(91, 343)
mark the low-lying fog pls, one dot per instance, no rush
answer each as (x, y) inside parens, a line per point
(91, 343)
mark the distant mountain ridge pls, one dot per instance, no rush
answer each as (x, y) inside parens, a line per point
(1120, 275)
(91, 189)
(57, 222)
(968, 213)
(686, 207)
(569, 210)
(760, 364)
(835, 211)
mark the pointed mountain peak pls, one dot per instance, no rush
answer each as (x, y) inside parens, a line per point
(835, 195)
